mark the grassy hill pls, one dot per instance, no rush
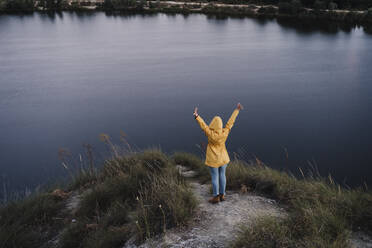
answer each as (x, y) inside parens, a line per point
(140, 195)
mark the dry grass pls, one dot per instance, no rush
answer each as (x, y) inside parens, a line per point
(30, 222)
(142, 195)
(139, 194)
(321, 212)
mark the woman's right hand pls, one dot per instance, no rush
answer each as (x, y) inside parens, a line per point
(195, 112)
(239, 106)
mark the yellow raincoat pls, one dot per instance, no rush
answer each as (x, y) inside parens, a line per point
(216, 150)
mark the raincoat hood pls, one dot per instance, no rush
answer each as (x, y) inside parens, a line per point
(216, 124)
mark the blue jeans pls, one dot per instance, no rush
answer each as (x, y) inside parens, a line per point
(218, 179)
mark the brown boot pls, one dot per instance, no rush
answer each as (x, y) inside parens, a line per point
(222, 197)
(214, 200)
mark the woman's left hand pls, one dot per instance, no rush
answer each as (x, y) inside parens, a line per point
(239, 106)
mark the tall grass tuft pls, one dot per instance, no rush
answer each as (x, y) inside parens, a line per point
(139, 194)
(30, 222)
(321, 212)
(132, 195)
(164, 203)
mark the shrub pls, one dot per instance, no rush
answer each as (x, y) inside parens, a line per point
(312, 229)
(117, 215)
(110, 237)
(167, 202)
(126, 200)
(96, 202)
(106, 208)
(270, 10)
(290, 8)
(2, 5)
(154, 159)
(20, 5)
(73, 235)
(22, 222)
(130, 194)
(321, 212)
(151, 160)
(332, 6)
(318, 5)
(267, 232)
(123, 4)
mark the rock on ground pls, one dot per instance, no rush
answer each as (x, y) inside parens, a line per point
(360, 240)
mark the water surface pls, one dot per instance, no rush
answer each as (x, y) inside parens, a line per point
(66, 78)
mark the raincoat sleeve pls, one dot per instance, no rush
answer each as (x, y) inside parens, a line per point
(203, 126)
(230, 122)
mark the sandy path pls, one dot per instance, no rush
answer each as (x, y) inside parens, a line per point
(215, 225)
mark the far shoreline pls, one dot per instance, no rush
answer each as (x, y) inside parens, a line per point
(349, 18)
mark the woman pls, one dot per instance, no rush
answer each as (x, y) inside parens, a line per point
(217, 157)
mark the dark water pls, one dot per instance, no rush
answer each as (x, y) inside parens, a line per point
(66, 78)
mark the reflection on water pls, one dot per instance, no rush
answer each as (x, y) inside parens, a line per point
(309, 27)
(303, 26)
(68, 76)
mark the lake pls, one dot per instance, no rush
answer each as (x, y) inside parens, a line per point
(67, 77)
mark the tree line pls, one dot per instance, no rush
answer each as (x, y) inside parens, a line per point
(31, 5)
(314, 4)
(285, 6)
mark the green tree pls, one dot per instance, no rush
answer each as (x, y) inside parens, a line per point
(2, 5)
(318, 5)
(124, 4)
(20, 5)
(332, 6)
(290, 8)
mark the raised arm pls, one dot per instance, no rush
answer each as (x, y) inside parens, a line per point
(230, 122)
(201, 122)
